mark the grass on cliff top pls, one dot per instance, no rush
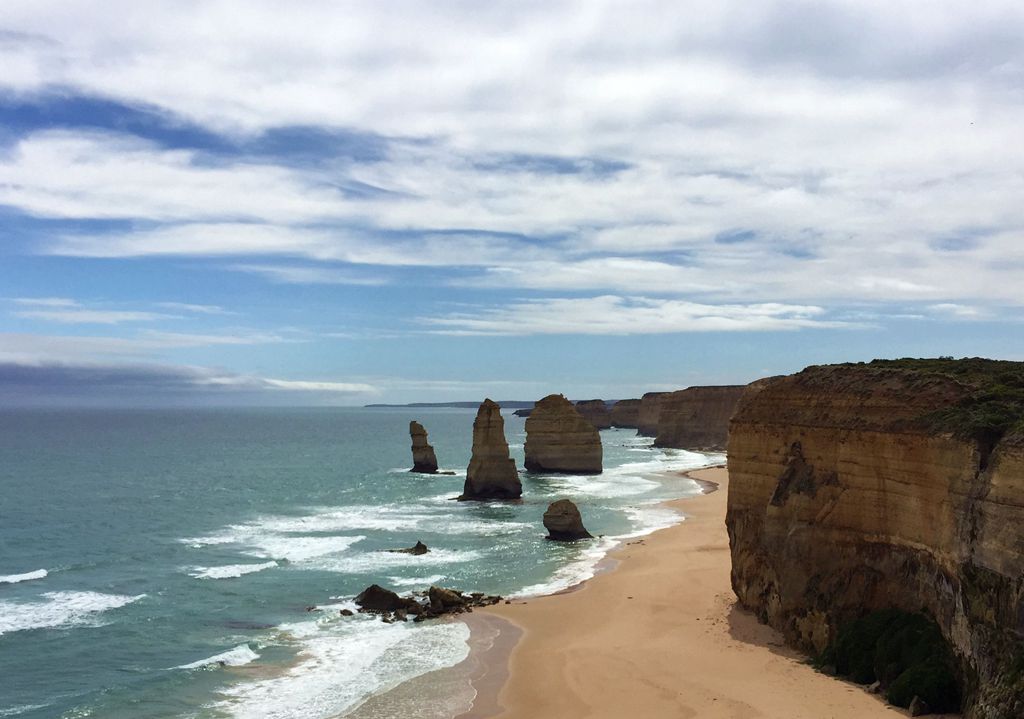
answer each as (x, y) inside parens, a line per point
(994, 405)
(905, 652)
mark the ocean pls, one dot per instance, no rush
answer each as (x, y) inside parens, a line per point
(165, 563)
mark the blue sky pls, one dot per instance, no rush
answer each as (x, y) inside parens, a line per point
(226, 203)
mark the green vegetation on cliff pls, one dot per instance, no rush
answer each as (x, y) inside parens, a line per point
(905, 652)
(994, 401)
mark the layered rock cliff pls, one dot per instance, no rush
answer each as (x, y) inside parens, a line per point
(625, 413)
(697, 417)
(648, 414)
(596, 412)
(492, 473)
(423, 457)
(899, 485)
(559, 439)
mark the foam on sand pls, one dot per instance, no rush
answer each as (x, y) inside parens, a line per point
(342, 662)
(230, 571)
(60, 609)
(237, 657)
(27, 576)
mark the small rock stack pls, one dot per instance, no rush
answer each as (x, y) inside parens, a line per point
(492, 473)
(423, 458)
(564, 522)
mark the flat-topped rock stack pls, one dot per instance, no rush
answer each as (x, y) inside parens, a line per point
(648, 414)
(625, 413)
(697, 417)
(596, 412)
(559, 439)
(492, 473)
(423, 458)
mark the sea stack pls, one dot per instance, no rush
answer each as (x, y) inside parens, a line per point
(697, 417)
(492, 473)
(648, 414)
(625, 413)
(559, 439)
(564, 523)
(423, 458)
(596, 412)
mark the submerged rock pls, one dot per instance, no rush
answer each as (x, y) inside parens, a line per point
(559, 439)
(564, 522)
(423, 458)
(492, 473)
(417, 549)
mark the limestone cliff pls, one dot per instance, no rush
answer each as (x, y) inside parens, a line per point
(596, 412)
(888, 485)
(697, 417)
(423, 457)
(648, 414)
(492, 473)
(559, 439)
(625, 413)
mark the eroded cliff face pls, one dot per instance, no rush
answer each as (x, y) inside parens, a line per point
(559, 439)
(697, 417)
(648, 414)
(596, 412)
(844, 498)
(625, 413)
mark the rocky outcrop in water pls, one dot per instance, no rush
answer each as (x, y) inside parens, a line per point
(492, 472)
(431, 604)
(649, 413)
(423, 458)
(596, 412)
(891, 485)
(564, 522)
(559, 439)
(625, 413)
(697, 417)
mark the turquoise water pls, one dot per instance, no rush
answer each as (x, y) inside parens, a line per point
(161, 563)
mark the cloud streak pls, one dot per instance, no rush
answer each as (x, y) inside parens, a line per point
(613, 315)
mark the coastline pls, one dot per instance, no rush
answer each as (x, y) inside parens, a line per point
(660, 635)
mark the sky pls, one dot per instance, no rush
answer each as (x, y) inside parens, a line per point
(336, 203)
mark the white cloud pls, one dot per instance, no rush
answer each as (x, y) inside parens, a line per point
(67, 311)
(296, 275)
(846, 137)
(31, 347)
(196, 309)
(613, 315)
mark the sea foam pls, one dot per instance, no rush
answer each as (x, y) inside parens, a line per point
(60, 609)
(27, 576)
(344, 662)
(230, 571)
(237, 657)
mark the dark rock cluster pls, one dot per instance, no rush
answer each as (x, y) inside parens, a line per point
(431, 604)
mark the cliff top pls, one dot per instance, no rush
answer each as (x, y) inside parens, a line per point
(985, 398)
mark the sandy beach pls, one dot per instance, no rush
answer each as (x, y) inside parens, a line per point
(661, 636)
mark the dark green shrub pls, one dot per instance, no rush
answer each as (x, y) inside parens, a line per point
(933, 681)
(904, 651)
